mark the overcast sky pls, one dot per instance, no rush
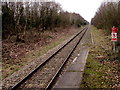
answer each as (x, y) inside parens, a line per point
(86, 8)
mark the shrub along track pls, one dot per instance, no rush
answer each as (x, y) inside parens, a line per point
(44, 73)
(15, 55)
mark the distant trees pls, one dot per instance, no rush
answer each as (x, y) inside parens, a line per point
(107, 16)
(20, 16)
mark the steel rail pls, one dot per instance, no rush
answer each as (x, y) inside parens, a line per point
(42, 64)
(49, 86)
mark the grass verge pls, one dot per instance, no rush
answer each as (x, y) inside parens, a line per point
(94, 74)
(10, 68)
(101, 70)
(16, 64)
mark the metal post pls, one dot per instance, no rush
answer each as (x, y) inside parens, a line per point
(114, 47)
(114, 50)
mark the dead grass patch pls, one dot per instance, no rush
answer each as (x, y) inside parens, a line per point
(102, 70)
(16, 54)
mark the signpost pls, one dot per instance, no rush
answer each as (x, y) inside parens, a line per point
(114, 37)
(114, 34)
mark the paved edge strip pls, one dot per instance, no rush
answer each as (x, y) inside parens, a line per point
(73, 77)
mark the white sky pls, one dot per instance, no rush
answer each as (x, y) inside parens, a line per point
(86, 8)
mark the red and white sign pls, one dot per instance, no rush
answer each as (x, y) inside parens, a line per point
(114, 34)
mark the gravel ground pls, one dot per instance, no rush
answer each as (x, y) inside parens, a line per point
(42, 77)
(17, 76)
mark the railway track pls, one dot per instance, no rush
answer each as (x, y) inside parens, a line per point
(44, 75)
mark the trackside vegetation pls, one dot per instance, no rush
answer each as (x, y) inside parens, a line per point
(18, 17)
(107, 16)
(30, 29)
(101, 69)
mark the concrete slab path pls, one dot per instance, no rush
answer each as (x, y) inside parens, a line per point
(73, 76)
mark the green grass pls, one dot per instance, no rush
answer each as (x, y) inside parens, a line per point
(74, 71)
(100, 66)
(48, 47)
(94, 74)
(8, 69)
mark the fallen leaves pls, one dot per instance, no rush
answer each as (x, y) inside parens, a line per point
(13, 53)
(101, 52)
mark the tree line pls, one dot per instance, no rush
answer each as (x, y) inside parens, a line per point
(18, 17)
(107, 16)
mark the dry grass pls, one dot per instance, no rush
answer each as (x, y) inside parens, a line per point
(16, 55)
(102, 70)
